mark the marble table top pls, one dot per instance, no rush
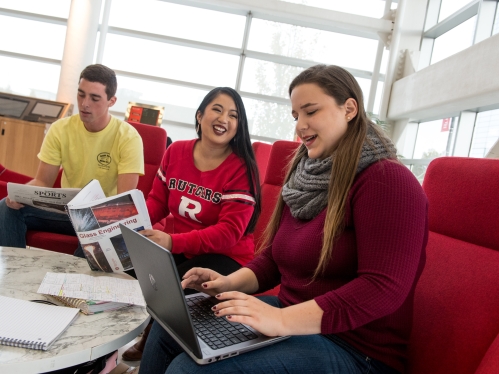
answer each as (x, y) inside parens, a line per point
(89, 337)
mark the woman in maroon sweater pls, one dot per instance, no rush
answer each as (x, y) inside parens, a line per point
(346, 242)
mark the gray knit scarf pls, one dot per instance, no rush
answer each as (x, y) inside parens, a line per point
(306, 191)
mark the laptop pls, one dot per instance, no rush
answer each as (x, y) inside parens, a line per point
(188, 319)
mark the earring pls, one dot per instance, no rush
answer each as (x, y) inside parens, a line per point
(348, 118)
(197, 127)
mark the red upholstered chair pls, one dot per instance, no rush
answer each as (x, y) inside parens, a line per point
(55, 242)
(280, 156)
(456, 306)
(57, 183)
(262, 154)
(7, 175)
(63, 243)
(152, 161)
(154, 140)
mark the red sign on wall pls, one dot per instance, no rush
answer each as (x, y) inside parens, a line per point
(445, 124)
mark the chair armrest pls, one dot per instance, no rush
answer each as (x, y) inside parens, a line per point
(3, 189)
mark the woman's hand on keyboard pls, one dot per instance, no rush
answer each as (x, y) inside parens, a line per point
(205, 280)
(243, 308)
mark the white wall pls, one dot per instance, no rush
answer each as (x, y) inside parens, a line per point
(468, 80)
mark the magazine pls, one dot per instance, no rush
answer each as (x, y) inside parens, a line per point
(46, 198)
(96, 220)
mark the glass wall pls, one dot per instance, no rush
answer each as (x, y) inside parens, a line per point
(54, 8)
(156, 49)
(454, 41)
(368, 8)
(171, 54)
(178, 21)
(435, 138)
(448, 7)
(495, 29)
(29, 78)
(30, 60)
(486, 133)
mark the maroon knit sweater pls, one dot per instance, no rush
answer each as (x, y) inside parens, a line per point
(367, 290)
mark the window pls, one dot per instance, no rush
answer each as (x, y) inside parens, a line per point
(180, 102)
(29, 78)
(454, 41)
(495, 30)
(170, 61)
(435, 138)
(312, 44)
(368, 8)
(269, 119)
(377, 100)
(43, 39)
(449, 7)
(55, 8)
(179, 21)
(486, 133)
(171, 54)
(365, 85)
(268, 78)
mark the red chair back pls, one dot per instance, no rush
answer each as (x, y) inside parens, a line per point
(262, 154)
(57, 183)
(456, 308)
(154, 140)
(280, 156)
(6, 176)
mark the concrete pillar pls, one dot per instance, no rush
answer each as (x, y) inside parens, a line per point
(405, 43)
(79, 47)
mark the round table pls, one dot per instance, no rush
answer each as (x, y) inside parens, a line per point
(89, 337)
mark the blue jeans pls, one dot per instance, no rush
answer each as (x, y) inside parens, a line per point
(298, 354)
(14, 224)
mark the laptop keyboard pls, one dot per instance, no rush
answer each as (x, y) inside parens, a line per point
(217, 332)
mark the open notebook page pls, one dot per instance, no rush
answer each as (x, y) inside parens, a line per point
(32, 325)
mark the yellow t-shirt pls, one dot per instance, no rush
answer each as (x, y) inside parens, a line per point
(88, 155)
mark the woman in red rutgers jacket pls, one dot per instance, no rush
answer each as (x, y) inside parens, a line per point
(210, 185)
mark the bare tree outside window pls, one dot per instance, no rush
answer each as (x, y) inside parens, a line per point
(271, 119)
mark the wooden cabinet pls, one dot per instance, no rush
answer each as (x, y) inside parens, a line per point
(20, 142)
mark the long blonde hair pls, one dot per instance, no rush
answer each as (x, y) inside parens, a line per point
(341, 85)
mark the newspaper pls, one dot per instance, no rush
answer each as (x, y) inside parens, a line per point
(96, 221)
(46, 198)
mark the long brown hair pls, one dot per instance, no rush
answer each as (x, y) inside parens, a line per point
(341, 85)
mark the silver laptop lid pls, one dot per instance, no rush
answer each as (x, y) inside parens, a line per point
(155, 268)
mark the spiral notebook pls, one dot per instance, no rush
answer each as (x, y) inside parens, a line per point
(32, 325)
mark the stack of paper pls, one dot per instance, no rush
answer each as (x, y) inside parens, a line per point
(92, 294)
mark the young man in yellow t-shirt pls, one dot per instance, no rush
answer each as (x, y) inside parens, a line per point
(89, 145)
